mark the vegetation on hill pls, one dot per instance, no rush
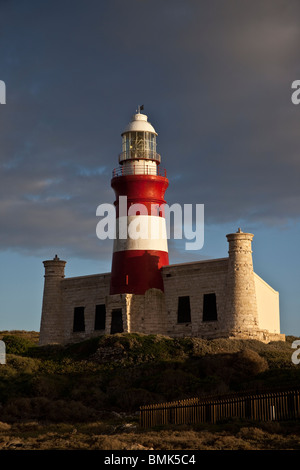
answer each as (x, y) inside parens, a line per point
(124, 371)
(106, 378)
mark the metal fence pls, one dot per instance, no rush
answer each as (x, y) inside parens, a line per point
(267, 406)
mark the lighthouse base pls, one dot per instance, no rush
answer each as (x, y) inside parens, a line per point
(132, 313)
(197, 300)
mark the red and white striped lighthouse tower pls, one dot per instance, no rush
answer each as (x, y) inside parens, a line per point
(140, 247)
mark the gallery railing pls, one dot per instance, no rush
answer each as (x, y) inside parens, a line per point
(139, 169)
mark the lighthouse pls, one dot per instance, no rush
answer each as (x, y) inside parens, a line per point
(140, 246)
(143, 293)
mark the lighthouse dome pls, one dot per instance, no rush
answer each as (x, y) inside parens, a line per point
(139, 123)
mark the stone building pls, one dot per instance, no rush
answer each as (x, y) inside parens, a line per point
(207, 299)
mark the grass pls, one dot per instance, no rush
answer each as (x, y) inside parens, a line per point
(87, 395)
(120, 435)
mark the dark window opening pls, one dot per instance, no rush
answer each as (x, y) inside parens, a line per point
(184, 310)
(78, 320)
(209, 307)
(100, 317)
(116, 321)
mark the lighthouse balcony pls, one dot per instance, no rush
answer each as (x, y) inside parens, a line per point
(139, 155)
(139, 169)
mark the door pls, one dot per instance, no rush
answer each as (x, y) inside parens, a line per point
(116, 321)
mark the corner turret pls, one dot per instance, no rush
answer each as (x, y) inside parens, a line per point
(51, 330)
(241, 305)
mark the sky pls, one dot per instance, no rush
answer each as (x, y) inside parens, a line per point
(215, 81)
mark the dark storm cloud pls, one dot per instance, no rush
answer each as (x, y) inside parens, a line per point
(215, 79)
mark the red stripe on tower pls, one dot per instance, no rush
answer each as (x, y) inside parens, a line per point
(140, 248)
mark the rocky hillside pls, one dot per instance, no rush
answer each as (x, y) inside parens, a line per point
(119, 373)
(87, 395)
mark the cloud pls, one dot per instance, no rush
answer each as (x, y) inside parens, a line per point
(215, 80)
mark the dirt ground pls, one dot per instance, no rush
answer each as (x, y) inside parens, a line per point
(99, 436)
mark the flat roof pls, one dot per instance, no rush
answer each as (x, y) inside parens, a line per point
(196, 262)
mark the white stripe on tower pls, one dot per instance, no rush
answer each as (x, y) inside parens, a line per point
(144, 232)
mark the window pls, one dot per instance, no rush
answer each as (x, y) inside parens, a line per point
(184, 310)
(116, 321)
(209, 307)
(137, 141)
(138, 145)
(78, 320)
(100, 317)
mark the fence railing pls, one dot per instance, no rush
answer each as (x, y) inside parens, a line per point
(267, 406)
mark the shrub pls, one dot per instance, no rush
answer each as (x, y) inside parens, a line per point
(17, 345)
(24, 365)
(42, 408)
(249, 363)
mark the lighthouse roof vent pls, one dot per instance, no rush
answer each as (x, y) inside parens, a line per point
(139, 123)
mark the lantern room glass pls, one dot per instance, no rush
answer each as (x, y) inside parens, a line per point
(139, 145)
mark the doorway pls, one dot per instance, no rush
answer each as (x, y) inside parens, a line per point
(116, 321)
